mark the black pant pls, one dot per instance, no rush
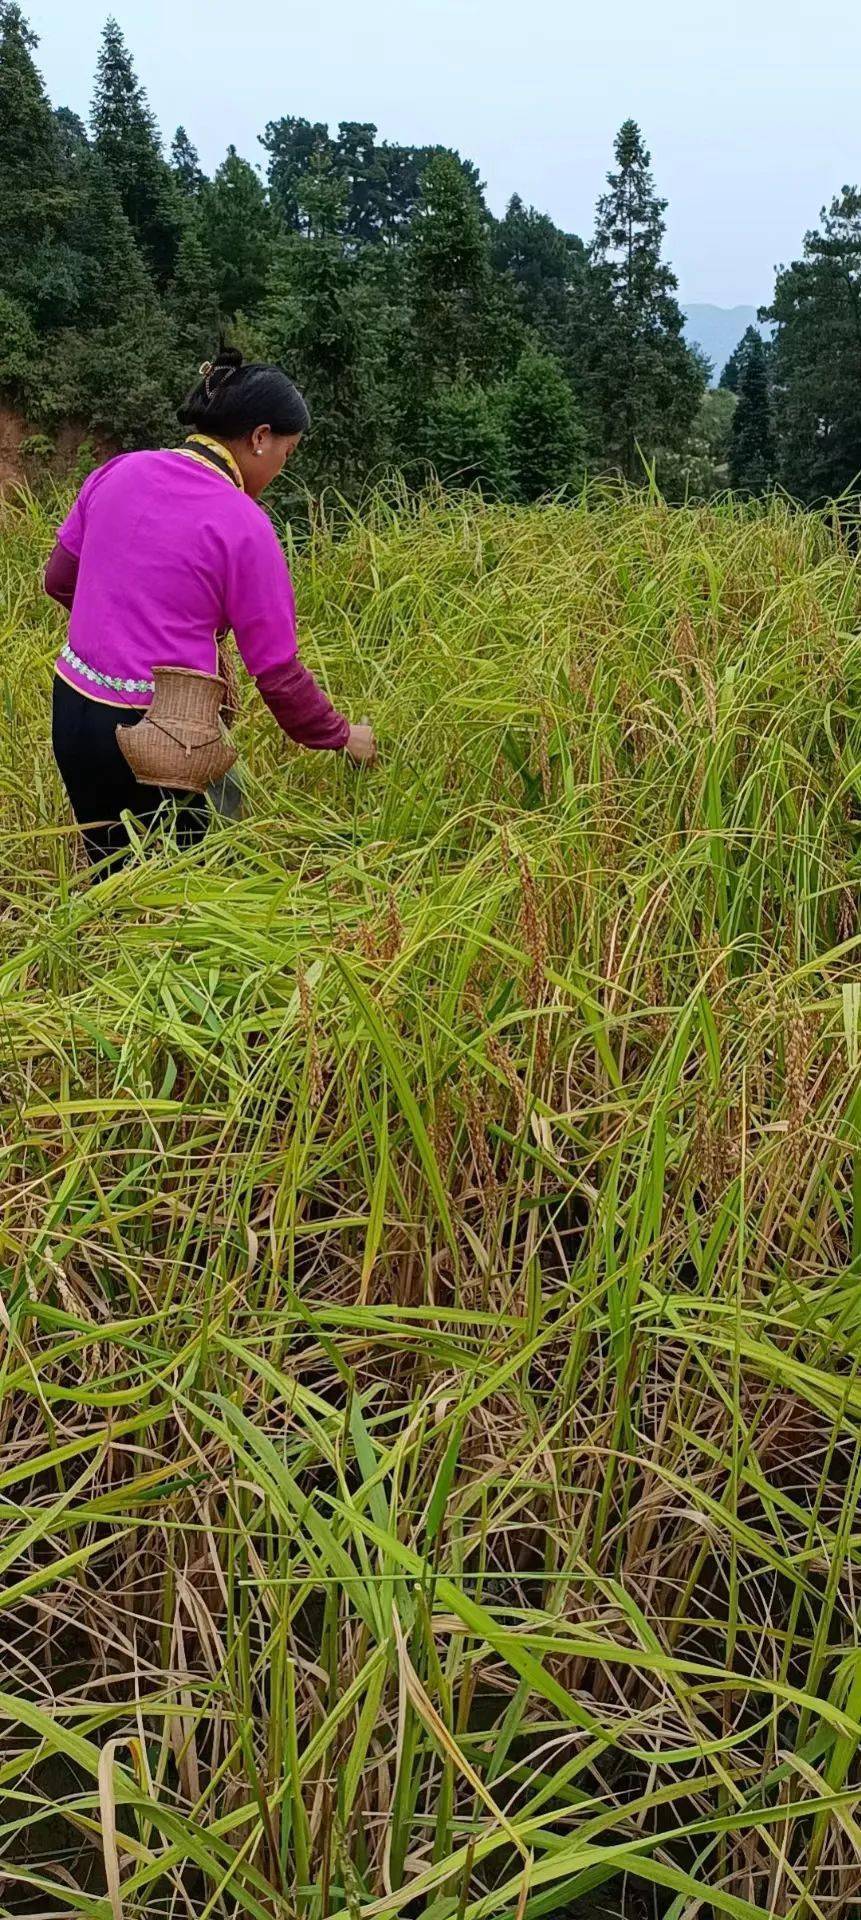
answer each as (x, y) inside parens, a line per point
(100, 783)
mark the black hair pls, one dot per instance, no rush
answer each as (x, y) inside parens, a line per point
(233, 396)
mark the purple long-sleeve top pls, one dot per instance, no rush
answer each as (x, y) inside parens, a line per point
(158, 555)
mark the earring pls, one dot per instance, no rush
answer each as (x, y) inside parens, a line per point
(258, 451)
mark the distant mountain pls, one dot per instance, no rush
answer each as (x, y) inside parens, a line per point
(717, 330)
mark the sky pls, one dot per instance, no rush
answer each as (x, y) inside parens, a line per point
(750, 110)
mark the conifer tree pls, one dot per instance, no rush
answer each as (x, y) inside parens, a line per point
(357, 158)
(115, 283)
(450, 278)
(546, 439)
(115, 367)
(127, 140)
(72, 139)
(22, 360)
(465, 441)
(311, 324)
(240, 234)
(816, 356)
(192, 300)
(732, 372)
(752, 453)
(33, 203)
(546, 268)
(293, 145)
(185, 164)
(646, 381)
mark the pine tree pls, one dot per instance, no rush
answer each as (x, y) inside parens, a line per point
(72, 139)
(115, 284)
(311, 324)
(39, 268)
(127, 139)
(33, 200)
(185, 164)
(699, 471)
(357, 158)
(646, 381)
(240, 233)
(84, 336)
(29, 155)
(403, 169)
(380, 303)
(22, 368)
(192, 301)
(732, 372)
(546, 440)
(815, 356)
(752, 453)
(546, 268)
(450, 279)
(115, 367)
(464, 439)
(293, 145)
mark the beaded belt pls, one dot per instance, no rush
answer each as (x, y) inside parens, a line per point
(104, 679)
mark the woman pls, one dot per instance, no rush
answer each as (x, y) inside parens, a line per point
(160, 554)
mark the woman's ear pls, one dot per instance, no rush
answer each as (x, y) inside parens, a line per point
(259, 438)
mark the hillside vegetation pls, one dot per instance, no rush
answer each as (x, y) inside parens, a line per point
(431, 1249)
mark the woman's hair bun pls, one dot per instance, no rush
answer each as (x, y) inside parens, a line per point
(235, 395)
(213, 373)
(227, 357)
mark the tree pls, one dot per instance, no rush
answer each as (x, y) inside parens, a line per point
(700, 469)
(545, 436)
(337, 317)
(115, 366)
(119, 381)
(815, 356)
(752, 452)
(72, 142)
(33, 203)
(22, 373)
(545, 266)
(465, 440)
(240, 234)
(357, 158)
(402, 169)
(39, 163)
(84, 336)
(192, 301)
(450, 279)
(311, 324)
(185, 164)
(323, 323)
(114, 285)
(646, 381)
(127, 140)
(292, 144)
(732, 372)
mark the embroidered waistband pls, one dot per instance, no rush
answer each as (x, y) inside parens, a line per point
(111, 680)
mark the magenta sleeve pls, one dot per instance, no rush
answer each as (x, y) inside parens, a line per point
(61, 575)
(300, 706)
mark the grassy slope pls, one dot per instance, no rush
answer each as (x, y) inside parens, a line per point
(431, 1254)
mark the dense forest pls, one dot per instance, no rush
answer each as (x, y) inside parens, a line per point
(425, 333)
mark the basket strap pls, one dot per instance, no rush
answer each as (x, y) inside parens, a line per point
(227, 671)
(211, 739)
(210, 453)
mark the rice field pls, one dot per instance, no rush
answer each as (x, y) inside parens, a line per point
(430, 1253)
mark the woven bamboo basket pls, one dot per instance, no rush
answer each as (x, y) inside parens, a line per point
(181, 742)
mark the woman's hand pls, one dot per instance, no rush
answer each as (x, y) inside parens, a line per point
(361, 747)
